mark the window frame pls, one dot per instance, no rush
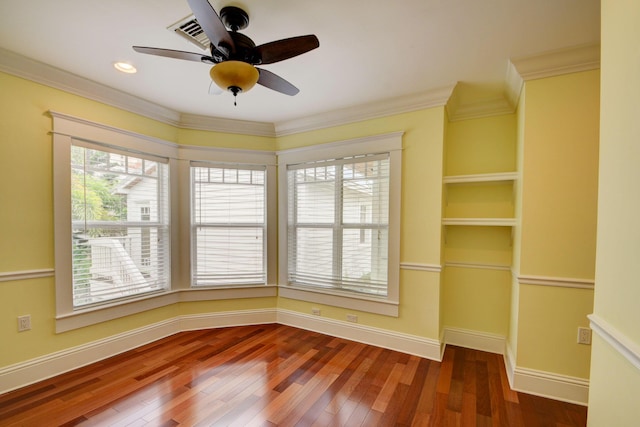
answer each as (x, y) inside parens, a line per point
(67, 128)
(390, 143)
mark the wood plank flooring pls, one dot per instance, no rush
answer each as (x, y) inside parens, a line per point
(275, 375)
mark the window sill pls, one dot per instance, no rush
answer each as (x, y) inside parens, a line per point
(91, 316)
(341, 299)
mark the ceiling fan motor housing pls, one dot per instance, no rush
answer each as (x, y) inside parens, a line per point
(234, 18)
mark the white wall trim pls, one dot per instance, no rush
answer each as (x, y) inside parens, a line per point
(545, 384)
(616, 339)
(551, 385)
(560, 282)
(457, 110)
(433, 268)
(548, 64)
(509, 363)
(557, 62)
(491, 343)
(539, 383)
(40, 368)
(11, 276)
(39, 72)
(403, 104)
(244, 127)
(411, 344)
(478, 266)
(350, 300)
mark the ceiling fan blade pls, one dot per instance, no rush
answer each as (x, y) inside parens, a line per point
(177, 54)
(275, 82)
(212, 25)
(280, 50)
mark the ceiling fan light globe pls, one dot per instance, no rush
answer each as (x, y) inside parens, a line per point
(234, 74)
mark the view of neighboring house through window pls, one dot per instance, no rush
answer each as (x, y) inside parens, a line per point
(120, 225)
(338, 224)
(228, 220)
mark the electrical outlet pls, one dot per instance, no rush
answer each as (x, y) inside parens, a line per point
(352, 318)
(24, 323)
(584, 336)
(315, 311)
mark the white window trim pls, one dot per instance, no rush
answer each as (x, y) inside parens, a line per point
(387, 143)
(67, 128)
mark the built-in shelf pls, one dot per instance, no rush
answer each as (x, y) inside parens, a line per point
(491, 222)
(483, 177)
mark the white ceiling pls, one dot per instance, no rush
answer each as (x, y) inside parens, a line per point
(370, 50)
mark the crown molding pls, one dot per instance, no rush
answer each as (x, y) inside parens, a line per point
(485, 108)
(244, 127)
(519, 70)
(39, 72)
(398, 105)
(513, 85)
(557, 62)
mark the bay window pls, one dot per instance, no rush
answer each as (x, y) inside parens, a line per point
(142, 223)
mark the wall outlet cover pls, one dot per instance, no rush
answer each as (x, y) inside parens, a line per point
(584, 336)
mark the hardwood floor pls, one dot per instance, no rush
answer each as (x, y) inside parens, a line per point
(268, 375)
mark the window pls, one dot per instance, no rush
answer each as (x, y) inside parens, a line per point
(229, 221)
(328, 224)
(339, 241)
(120, 225)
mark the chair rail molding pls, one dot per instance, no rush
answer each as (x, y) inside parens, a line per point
(10, 276)
(560, 282)
(616, 339)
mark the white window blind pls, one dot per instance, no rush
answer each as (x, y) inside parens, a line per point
(338, 224)
(120, 224)
(228, 225)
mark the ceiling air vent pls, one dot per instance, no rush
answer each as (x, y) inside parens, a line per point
(192, 31)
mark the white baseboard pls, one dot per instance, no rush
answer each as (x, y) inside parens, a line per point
(476, 340)
(41, 368)
(411, 344)
(550, 385)
(546, 384)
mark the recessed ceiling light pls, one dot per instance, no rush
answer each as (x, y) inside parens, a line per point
(125, 67)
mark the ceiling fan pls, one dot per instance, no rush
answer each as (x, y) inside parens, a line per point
(234, 55)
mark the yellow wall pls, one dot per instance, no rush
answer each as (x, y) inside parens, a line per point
(557, 234)
(615, 383)
(484, 145)
(560, 176)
